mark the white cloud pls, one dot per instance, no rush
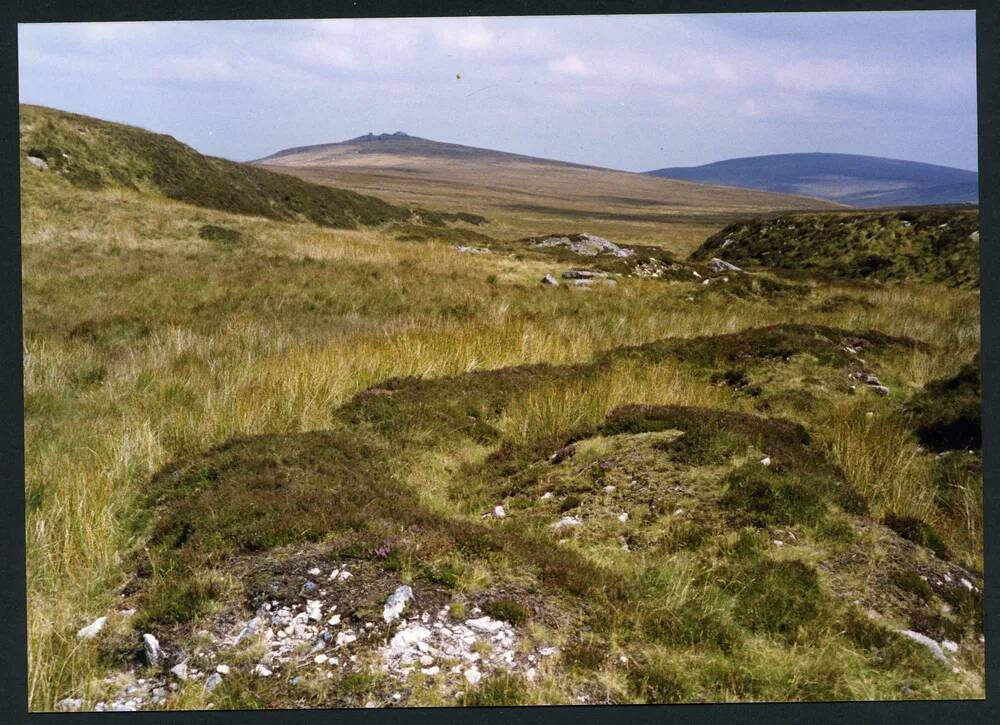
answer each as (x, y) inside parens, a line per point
(570, 65)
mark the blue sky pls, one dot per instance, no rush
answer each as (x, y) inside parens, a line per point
(628, 92)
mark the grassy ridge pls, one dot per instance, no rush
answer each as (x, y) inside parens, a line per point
(95, 154)
(921, 244)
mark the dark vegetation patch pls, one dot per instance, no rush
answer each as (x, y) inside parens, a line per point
(507, 610)
(777, 597)
(763, 496)
(702, 447)
(222, 235)
(440, 219)
(840, 303)
(94, 154)
(947, 414)
(939, 244)
(917, 531)
(774, 342)
(406, 232)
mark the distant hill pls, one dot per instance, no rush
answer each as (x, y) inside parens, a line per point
(92, 153)
(866, 181)
(397, 145)
(527, 196)
(929, 244)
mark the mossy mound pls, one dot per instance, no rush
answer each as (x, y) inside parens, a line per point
(933, 244)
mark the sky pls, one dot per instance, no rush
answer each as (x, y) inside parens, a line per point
(635, 92)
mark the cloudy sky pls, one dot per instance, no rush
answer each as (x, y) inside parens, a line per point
(627, 92)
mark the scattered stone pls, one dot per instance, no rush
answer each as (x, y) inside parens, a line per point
(320, 659)
(927, 642)
(485, 624)
(974, 236)
(334, 620)
(126, 612)
(395, 604)
(38, 163)
(345, 638)
(499, 513)
(566, 521)
(546, 496)
(550, 280)
(222, 669)
(765, 461)
(249, 630)
(94, 628)
(473, 675)
(262, 671)
(472, 250)
(180, 671)
(547, 651)
(871, 381)
(152, 648)
(69, 704)
(213, 681)
(623, 516)
(950, 646)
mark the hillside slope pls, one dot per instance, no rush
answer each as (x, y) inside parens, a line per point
(925, 244)
(528, 196)
(93, 154)
(845, 178)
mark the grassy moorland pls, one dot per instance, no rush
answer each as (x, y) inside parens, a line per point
(219, 404)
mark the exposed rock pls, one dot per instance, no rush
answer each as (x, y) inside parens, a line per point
(550, 280)
(152, 648)
(717, 265)
(562, 454)
(582, 274)
(92, 629)
(396, 602)
(472, 250)
(69, 704)
(38, 163)
(588, 245)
